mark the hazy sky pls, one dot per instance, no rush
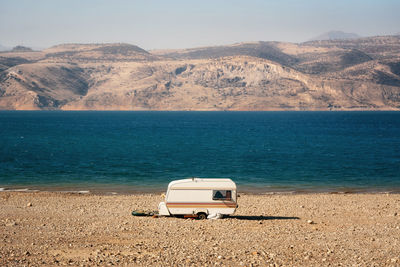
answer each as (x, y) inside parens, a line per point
(180, 24)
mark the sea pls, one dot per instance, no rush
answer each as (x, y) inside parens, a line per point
(119, 152)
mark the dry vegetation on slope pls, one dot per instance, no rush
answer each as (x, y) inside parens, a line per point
(359, 74)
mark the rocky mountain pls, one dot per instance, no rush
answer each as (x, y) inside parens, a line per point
(20, 48)
(335, 35)
(353, 74)
(97, 52)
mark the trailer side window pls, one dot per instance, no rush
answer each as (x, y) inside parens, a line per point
(222, 195)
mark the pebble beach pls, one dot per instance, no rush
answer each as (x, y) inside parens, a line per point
(70, 229)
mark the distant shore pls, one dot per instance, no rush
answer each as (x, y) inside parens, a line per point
(158, 189)
(210, 110)
(352, 74)
(48, 228)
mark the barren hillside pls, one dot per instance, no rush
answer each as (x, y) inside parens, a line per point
(356, 74)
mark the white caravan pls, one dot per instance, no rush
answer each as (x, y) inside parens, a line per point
(197, 196)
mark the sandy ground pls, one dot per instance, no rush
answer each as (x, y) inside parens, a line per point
(268, 230)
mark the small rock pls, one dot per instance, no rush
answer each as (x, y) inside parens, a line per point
(395, 214)
(255, 253)
(302, 206)
(27, 253)
(310, 222)
(11, 224)
(219, 257)
(29, 204)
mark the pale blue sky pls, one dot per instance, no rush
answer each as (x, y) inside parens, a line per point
(180, 24)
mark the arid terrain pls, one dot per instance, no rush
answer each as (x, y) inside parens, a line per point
(56, 229)
(352, 74)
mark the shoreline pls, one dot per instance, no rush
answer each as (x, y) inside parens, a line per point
(151, 190)
(206, 110)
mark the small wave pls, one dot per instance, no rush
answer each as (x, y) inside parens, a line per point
(18, 190)
(280, 193)
(76, 192)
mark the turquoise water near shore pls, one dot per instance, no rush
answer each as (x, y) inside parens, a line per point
(144, 151)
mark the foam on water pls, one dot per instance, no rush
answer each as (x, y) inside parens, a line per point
(19, 190)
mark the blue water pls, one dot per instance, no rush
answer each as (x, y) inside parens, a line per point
(143, 151)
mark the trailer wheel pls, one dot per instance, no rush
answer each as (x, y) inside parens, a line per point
(201, 216)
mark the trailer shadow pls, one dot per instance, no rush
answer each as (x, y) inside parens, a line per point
(261, 218)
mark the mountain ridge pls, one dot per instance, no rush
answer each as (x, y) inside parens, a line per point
(351, 74)
(335, 35)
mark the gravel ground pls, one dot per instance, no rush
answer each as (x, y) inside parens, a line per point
(54, 229)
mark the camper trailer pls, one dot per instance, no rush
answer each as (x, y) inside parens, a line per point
(199, 197)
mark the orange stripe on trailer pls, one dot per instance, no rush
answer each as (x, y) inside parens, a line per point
(201, 188)
(202, 205)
